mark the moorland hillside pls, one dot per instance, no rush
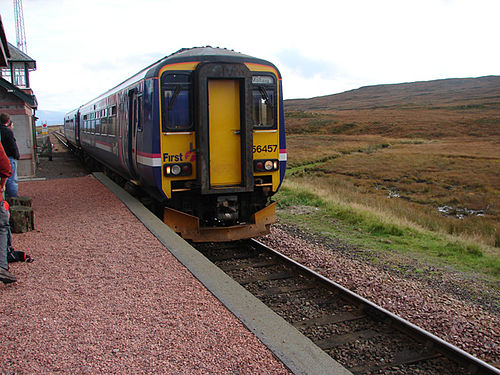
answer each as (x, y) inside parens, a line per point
(430, 109)
(432, 147)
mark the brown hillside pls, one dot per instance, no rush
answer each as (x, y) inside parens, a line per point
(448, 92)
(431, 144)
(433, 109)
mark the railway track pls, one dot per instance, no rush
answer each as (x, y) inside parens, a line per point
(361, 336)
(61, 138)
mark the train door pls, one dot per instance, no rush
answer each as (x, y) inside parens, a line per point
(135, 125)
(77, 128)
(224, 132)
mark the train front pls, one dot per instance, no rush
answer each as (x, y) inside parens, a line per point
(222, 144)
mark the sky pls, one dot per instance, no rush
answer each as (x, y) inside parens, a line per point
(321, 47)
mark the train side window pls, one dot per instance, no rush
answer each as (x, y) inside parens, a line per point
(112, 126)
(138, 111)
(98, 126)
(104, 125)
(263, 102)
(85, 123)
(112, 121)
(176, 104)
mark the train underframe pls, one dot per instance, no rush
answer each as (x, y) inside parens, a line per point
(204, 218)
(217, 218)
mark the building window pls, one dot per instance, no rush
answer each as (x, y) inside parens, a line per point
(5, 72)
(19, 77)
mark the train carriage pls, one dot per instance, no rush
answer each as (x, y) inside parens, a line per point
(202, 132)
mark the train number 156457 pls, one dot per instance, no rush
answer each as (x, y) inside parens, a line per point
(264, 148)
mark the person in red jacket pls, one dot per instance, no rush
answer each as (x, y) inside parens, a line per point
(5, 173)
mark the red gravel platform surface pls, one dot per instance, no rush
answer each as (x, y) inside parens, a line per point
(104, 296)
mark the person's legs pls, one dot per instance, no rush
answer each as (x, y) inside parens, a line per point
(4, 236)
(11, 185)
(5, 275)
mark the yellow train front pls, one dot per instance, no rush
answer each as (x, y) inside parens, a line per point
(222, 144)
(202, 131)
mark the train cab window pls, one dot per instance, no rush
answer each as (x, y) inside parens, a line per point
(176, 104)
(263, 102)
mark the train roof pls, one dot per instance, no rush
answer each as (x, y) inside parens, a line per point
(205, 54)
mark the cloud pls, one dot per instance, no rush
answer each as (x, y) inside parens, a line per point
(83, 49)
(294, 60)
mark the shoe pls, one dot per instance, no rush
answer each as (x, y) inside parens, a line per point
(7, 277)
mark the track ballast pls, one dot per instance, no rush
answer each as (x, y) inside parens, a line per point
(364, 338)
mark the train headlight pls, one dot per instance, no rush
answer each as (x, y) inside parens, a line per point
(269, 165)
(177, 169)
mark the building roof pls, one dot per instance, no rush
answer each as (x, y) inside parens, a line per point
(11, 89)
(16, 55)
(4, 48)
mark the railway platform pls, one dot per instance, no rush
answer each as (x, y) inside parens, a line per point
(113, 290)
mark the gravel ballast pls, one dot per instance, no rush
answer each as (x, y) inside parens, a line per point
(456, 320)
(103, 295)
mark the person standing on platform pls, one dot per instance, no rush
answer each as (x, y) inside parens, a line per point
(5, 172)
(10, 146)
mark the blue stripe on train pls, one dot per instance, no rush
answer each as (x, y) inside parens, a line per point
(282, 137)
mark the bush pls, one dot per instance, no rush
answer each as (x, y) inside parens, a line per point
(298, 198)
(385, 229)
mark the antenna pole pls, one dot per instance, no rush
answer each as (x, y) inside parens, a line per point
(20, 34)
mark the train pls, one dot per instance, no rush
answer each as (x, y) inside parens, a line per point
(202, 132)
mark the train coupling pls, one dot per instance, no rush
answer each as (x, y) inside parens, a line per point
(188, 226)
(227, 209)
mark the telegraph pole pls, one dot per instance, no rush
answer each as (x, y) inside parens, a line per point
(20, 34)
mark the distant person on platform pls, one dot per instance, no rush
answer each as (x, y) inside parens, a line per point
(5, 172)
(10, 146)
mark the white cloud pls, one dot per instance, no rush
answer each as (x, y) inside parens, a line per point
(321, 47)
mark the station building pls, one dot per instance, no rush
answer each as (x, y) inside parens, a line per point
(17, 99)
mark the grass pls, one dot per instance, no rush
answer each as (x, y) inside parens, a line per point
(379, 162)
(419, 175)
(365, 227)
(375, 166)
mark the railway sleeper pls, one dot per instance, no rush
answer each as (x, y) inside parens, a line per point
(231, 267)
(402, 358)
(330, 319)
(337, 340)
(268, 277)
(273, 291)
(228, 257)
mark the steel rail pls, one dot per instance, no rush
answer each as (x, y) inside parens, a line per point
(475, 365)
(61, 138)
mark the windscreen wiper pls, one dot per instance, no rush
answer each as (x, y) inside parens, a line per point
(263, 93)
(171, 102)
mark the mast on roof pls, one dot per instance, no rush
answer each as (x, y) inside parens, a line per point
(20, 34)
